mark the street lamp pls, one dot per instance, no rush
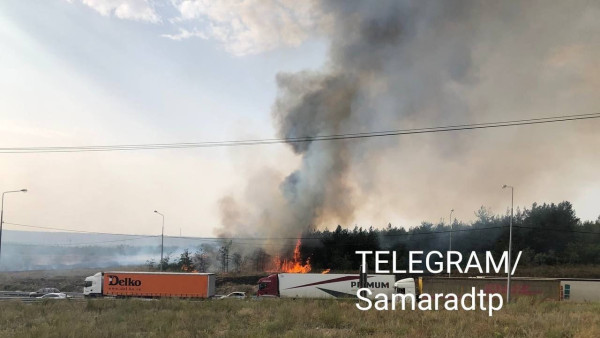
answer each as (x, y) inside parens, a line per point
(2, 214)
(162, 239)
(451, 211)
(512, 194)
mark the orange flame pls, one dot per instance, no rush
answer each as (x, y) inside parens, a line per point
(293, 266)
(187, 268)
(325, 271)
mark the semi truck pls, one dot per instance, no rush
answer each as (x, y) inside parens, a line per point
(543, 288)
(312, 285)
(150, 284)
(580, 290)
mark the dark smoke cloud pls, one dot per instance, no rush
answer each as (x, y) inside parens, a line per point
(403, 64)
(310, 105)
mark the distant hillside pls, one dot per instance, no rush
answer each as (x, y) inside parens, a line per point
(36, 250)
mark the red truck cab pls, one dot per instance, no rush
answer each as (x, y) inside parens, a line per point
(268, 286)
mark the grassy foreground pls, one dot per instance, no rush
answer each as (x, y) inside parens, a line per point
(286, 317)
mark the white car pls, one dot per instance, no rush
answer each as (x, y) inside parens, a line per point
(54, 295)
(43, 291)
(235, 295)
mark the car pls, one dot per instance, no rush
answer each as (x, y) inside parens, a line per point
(54, 295)
(43, 291)
(235, 295)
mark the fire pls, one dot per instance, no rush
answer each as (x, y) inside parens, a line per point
(187, 268)
(325, 271)
(293, 266)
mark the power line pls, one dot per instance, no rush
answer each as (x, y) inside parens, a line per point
(104, 242)
(73, 230)
(219, 239)
(251, 142)
(408, 233)
(134, 235)
(558, 230)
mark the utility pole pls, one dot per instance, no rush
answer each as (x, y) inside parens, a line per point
(162, 240)
(224, 252)
(512, 194)
(451, 211)
(2, 214)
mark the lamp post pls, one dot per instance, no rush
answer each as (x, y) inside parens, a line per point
(451, 211)
(512, 194)
(2, 214)
(162, 240)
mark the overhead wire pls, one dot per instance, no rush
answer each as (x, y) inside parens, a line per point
(250, 142)
(236, 240)
(71, 230)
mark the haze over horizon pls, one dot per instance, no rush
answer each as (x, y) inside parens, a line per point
(78, 73)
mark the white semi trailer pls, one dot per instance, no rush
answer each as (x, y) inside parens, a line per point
(312, 285)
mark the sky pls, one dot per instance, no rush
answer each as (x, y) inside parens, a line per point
(103, 72)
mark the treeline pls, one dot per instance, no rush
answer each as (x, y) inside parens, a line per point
(548, 234)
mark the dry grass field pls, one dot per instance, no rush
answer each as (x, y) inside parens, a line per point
(287, 317)
(276, 317)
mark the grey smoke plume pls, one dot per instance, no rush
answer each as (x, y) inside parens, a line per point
(403, 64)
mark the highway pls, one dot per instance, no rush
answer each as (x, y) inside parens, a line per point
(23, 296)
